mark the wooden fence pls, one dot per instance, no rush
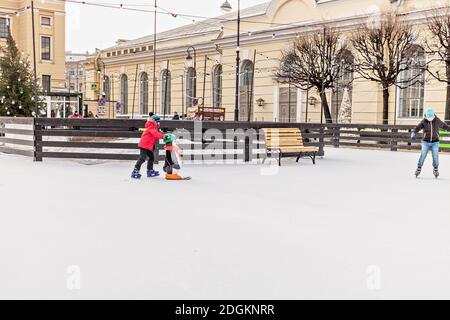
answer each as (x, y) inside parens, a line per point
(17, 136)
(117, 139)
(42, 138)
(388, 137)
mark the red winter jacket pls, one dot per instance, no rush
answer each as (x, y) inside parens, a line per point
(150, 136)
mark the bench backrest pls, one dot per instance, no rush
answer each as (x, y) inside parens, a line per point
(283, 137)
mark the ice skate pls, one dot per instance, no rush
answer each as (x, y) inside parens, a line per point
(436, 172)
(152, 174)
(173, 177)
(418, 172)
(136, 175)
(176, 177)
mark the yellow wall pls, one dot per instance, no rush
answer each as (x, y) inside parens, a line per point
(21, 28)
(304, 16)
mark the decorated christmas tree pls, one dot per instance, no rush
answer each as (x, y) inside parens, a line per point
(19, 95)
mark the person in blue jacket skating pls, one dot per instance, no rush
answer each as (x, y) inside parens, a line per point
(431, 125)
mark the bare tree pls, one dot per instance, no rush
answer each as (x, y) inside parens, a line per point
(311, 63)
(438, 49)
(383, 51)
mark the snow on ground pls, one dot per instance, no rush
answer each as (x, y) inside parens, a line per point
(356, 225)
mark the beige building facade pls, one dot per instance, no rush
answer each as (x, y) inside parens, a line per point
(75, 75)
(198, 61)
(49, 26)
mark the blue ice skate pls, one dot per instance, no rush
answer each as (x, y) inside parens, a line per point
(136, 175)
(152, 174)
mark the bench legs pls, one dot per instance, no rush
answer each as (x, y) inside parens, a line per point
(270, 154)
(300, 155)
(312, 156)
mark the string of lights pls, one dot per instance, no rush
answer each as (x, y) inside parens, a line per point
(136, 8)
(190, 17)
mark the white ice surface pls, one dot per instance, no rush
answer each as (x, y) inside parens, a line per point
(233, 232)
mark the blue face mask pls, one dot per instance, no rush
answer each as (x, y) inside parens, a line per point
(430, 115)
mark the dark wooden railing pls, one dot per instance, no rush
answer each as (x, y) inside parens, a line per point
(201, 141)
(63, 138)
(17, 136)
(387, 137)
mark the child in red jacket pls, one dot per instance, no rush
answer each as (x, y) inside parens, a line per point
(147, 145)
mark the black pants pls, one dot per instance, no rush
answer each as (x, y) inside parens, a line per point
(146, 155)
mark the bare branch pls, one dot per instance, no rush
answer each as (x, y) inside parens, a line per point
(311, 63)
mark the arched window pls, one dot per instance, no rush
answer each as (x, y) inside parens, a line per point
(166, 92)
(106, 88)
(343, 87)
(412, 81)
(191, 84)
(217, 86)
(245, 90)
(124, 93)
(143, 93)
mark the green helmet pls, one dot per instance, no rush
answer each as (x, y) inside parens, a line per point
(168, 138)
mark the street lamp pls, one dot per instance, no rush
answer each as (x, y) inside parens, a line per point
(226, 6)
(154, 58)
(189, 58)
(33, 31)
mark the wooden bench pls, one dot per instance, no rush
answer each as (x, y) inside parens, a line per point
(287, 142)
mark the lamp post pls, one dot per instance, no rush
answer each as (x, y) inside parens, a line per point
(70, 80)
(78, 77)
(154, 61)
(189, 58)
(226, 6)
(34, 55)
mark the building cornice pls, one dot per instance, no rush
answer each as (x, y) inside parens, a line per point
(344, 24)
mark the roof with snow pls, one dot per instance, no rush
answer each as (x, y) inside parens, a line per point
(201, 27)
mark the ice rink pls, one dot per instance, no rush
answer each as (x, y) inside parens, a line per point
(356, 225)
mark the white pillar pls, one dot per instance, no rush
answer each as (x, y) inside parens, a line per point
(299, 104)
(64, 107)
(48, 101)
(276, 101)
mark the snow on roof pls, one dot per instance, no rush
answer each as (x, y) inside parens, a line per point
(201, 27)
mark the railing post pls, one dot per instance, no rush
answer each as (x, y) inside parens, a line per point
(409, 140)
(247, 149)
(224, 146)
(157, 148)
(257, 143)
(322, 140)
(394, 142)
(37, 146)
(235, 147)
(336, 133)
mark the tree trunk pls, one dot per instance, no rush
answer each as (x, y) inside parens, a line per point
(326, 108)
(447, 101)
(385, 105)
